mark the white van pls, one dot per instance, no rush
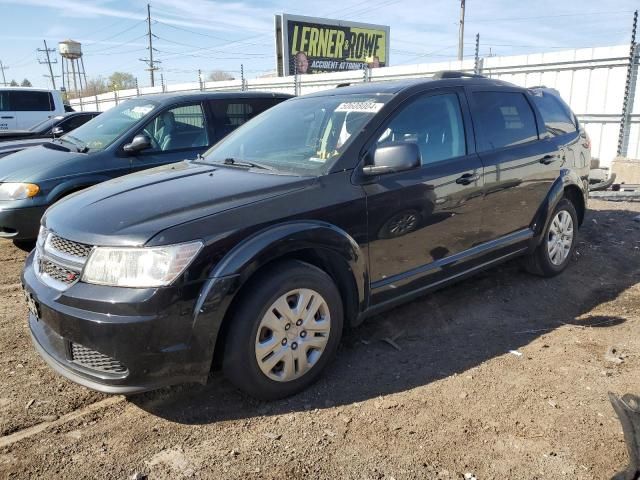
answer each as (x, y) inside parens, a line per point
(23, 107)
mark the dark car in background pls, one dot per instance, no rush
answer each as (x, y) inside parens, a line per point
(51, 127)
(12, 141)
(324, 210)
(137, 134)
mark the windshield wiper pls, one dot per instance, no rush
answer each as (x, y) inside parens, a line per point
(82, 148)
(244, 163)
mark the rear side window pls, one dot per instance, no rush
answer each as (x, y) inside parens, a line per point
(556, 117)
(503, 119)
(75, 121)
(25, 101)
(230, 114)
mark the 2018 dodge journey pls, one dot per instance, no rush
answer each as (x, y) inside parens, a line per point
(314, 215)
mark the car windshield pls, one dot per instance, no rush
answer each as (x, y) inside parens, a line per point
(302, 136)
(103, 130)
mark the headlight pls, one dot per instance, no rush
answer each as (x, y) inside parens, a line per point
(18, 191)
(139, 266)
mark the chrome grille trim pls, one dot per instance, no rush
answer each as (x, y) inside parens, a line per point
(68, 247)
(58, 262)
(96, 361)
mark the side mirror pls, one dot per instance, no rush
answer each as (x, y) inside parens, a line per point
(57, 131)
(394, 158)
(139, 142)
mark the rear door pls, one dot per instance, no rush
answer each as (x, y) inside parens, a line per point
(420, 219)
(520, 161)
(7, 115)
(561, 127)
(176, 133)
(31, 107)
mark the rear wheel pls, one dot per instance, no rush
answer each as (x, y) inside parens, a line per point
(554, 252)
(286, 329)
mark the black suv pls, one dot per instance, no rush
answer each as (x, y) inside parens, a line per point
(314, 215)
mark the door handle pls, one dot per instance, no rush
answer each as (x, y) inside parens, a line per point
(467, 178)
(6, 118)
(547, 159)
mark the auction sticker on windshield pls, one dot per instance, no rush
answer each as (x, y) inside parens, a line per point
(364, 107)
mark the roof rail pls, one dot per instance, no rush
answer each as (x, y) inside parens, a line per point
(455, 74)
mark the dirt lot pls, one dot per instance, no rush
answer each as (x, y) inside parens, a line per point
(450, 400)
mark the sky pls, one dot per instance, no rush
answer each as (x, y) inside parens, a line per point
(221, 35)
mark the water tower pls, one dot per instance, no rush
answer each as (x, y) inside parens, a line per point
(72, 65)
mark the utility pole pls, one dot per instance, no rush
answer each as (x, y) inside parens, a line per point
(461, 32)
(2, 69)
(48, 61)
(152, 64)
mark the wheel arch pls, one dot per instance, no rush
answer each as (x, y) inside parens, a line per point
(320, 244)
(567, 185)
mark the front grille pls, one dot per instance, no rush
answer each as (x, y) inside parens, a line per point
(58, 273)
(69, 247)
(95, 360)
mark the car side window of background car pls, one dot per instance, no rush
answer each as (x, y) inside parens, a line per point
(31, 101)
(503, 119)
(557, 120)
(229, 115)
(434, 123)
(4, 101)
(177, 128)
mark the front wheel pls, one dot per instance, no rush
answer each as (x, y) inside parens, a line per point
(285, 330)
(554, 252)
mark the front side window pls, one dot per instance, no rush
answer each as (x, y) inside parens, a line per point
(26, 101)
(4, 101)
(303, 136)
(503, 119)
(556, 118)
(176, 129)
(100, 132)
(434, 123)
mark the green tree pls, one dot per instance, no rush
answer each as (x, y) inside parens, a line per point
(13, 83)
(121, 81)
(218, 75)
(26, 83)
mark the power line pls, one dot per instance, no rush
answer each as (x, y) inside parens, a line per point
(562, 15)
(197, 48)
(90, 43)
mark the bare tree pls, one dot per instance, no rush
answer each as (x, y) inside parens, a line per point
(218, 75)
(26, 83)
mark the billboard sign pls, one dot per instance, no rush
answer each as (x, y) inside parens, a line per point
(307, 45)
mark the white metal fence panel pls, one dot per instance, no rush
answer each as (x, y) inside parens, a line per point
(591, 80)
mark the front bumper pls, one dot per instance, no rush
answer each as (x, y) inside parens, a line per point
(153, 334)
(20, 223)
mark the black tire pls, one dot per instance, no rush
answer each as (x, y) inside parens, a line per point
(539, 262)
(240, 365)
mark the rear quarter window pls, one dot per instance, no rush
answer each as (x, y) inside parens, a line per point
(503, 119)
(26, 101)
(557, 118)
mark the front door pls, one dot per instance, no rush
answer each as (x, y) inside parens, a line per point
(420, 219)
(7, 114)
(176, 134)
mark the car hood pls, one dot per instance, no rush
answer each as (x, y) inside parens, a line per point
(130, 210)
(32, 164)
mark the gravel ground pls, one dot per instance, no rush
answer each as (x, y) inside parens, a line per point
(446, 397)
